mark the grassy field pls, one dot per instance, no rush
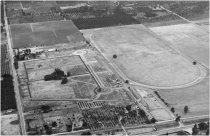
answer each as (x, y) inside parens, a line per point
(10, 125)
(53, 62)
(51, 90)
(99, 67)
(114, 95)
(84, 91)
(108, 79)
(191, 40)
(196, 97)
(37, 69)
(143, 57)
(81, 83)
(85, 78)
(44, 33)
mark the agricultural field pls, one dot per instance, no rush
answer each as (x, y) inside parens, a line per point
(192, 10)
(191, 40)
(45, 33)
(5, 67)
(33, 4)
(32, 11)
(143, 57)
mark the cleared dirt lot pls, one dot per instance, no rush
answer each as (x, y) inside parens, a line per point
(143, 57)
(188, 38)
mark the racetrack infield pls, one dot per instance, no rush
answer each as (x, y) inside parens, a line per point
(190, 39)
(143, 57)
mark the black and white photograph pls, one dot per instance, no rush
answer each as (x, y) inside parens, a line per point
(104, 67)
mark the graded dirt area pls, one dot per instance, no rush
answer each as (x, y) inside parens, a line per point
(143, 57)
(190, 39)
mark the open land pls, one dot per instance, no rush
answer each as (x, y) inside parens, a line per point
(44, 33)
(143, 57)
(10, 125)
(121, 77)
(68, 100)
(81, 83)
(190, 39)
(195, 96)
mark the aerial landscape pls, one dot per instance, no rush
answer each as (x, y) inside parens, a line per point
(104, 67)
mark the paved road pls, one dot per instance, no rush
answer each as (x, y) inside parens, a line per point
(17, 93)
(168, 130)
(89, 67)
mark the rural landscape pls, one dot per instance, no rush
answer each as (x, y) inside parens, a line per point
(104, 67)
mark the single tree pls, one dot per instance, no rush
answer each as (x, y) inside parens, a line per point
(114, 56)
(128, 107)
(194, 62)
(153, 120)
(45, 108)
(54, 124)
(172, 109)
(186, 109)
(99, 89)
(126, 81)
(177, 118)
(64, 80)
